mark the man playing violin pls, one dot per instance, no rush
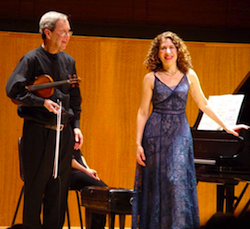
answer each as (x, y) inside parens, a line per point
(42, 188)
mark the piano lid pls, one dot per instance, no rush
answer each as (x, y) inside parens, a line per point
(244, 114)
(222, 147)
(244, 88)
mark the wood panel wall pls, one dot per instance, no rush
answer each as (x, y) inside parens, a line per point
(112, 72)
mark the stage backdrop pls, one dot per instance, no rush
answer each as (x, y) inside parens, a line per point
(111, 71)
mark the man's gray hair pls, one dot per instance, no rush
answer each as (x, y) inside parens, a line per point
(49, 20)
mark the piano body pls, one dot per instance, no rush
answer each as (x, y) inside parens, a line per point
(223, 158)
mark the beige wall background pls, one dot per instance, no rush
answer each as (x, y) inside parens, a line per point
(111, 70)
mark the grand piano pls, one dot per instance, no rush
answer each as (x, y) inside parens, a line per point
(223, 158)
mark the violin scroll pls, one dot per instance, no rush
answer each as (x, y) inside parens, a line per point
(74, 80)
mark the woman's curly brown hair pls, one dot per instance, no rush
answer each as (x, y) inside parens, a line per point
(153, 62)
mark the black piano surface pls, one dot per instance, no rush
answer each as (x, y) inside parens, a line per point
(223, 158)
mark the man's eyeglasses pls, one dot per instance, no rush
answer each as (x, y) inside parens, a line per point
(65, 33)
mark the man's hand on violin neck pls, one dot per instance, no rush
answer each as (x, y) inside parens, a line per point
(51, 106)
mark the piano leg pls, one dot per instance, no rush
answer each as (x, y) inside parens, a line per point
(225, 192)
(220, 198)
(229, 198)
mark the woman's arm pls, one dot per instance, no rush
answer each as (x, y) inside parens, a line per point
(202, 103)
(91, 172)
(84, 161)
(142, 115)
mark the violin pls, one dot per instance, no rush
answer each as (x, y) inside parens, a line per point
(43, 86)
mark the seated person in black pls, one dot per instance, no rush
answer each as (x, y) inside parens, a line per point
(82, 176)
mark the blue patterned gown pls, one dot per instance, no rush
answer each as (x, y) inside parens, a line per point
(167, 196)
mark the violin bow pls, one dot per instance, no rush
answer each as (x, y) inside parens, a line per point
(58, 127)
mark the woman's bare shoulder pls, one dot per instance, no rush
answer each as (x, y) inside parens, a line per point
(149, 78)
(191, 74)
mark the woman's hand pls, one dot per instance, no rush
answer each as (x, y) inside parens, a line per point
(92, 173)
(140, 156)
(233, 129)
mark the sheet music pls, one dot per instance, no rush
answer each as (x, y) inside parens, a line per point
(226, 106)
(55, 171)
